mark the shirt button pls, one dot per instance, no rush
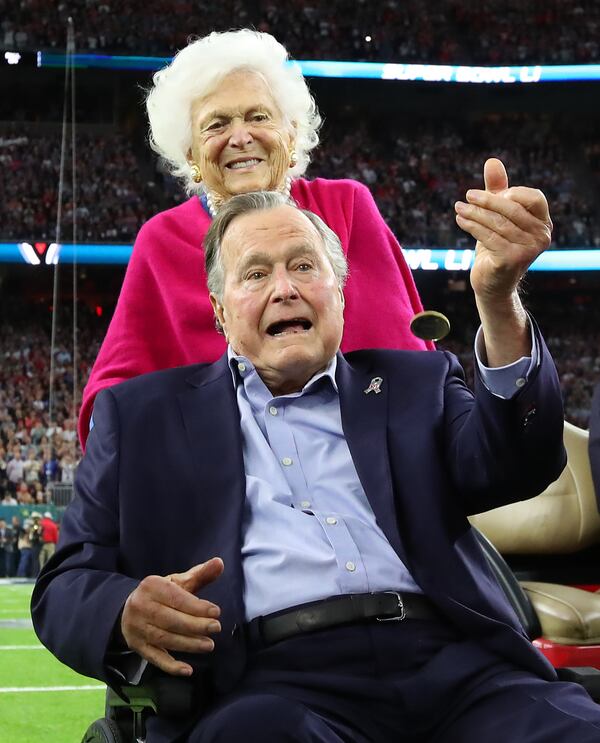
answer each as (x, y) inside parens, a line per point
(305, 504)
(273, 410)
(350, 566)
(242, 367)
(287, 461)
(331, 520)
(520, 382)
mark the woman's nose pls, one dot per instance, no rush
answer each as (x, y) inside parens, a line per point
(240, 134)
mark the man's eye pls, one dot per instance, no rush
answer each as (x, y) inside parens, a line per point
(304, 267)
(256, 275)
(259, 116)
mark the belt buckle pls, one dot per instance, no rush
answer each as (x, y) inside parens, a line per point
(400, 606)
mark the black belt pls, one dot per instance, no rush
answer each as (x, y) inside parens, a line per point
(387, 606)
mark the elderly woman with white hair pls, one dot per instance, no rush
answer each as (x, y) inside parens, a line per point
(231, 115)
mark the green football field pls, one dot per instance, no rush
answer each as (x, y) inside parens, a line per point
(41, 701)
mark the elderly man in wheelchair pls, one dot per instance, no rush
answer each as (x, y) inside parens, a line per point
(285, 532)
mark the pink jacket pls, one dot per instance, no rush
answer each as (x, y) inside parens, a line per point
(164, 318)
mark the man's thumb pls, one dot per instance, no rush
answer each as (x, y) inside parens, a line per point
(200, 575)
(494, 175)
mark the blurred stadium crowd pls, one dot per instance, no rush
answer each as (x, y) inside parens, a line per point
(38, 454)
(416, 170)
(486, 32)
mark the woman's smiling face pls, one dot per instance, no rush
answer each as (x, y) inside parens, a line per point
(239, 138)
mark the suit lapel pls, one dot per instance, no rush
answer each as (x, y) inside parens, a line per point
(364, 420)
(213, 438)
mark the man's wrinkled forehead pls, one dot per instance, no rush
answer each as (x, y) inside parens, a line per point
(253, 231)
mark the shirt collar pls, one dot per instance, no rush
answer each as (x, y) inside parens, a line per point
(243, 375)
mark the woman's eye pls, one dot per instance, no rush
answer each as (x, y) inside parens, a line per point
(259, 117)
(256, 275)
(215, 125)
(304, 267)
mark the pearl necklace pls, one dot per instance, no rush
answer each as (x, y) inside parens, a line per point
(214, 202)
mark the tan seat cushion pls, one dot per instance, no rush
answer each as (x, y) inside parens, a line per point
(567, 615)
(562, 519)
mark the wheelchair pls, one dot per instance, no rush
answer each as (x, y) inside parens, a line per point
(562, 621)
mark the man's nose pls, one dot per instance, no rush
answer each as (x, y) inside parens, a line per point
(240, 134)
(284, 288)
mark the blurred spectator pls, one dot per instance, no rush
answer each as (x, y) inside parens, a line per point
(6, 547)
(15, 469)
(25, 569)
(49, 538)
(35, 540)
(16, 553)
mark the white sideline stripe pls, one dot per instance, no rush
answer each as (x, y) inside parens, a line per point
(21, 647)
(19, 689)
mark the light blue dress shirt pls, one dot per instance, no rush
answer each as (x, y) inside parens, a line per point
(309, 531)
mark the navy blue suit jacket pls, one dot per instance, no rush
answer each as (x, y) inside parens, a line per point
(162, 488)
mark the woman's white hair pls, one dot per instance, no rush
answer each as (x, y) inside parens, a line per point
(197, 70)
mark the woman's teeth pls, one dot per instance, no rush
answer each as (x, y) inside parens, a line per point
(243, 164)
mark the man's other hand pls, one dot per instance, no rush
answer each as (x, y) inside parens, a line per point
(163, 614)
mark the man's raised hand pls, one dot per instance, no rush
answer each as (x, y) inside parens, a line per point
(512, 227)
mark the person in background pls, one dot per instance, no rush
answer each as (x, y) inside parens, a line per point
(25, 567)
(6, 547)
(36, 541)
(16, 554)
(229, 115)
(15, 469)
(49, 538)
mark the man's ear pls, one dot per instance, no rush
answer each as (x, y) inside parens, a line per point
(219, 314)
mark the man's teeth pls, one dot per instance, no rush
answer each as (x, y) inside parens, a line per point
(244, 164)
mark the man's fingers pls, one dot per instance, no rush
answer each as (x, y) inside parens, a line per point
(532, 199)
(494, 175)
(198, 576)
(156, 590)
(170, 620)
(502, 210)
(513, 222)
(493, 241)
(165, 661)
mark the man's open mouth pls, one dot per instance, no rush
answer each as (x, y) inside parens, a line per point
(289, 327)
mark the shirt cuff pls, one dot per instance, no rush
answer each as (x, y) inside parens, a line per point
(127, 665)
(506, 381)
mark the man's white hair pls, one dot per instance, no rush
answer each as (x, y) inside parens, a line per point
(197, 70)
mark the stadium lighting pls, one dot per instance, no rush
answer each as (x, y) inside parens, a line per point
(28, 254)
(419, 258)
(369, 70)
(12, 57)
(52, 254)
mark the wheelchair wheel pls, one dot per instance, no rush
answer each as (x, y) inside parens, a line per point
(103, 731)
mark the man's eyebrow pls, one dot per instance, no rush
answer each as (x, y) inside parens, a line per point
(252, 258)
(264, 258)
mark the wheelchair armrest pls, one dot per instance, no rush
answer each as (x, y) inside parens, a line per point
(163, 695)
(585, 676)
